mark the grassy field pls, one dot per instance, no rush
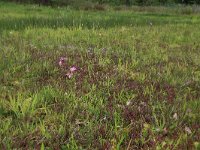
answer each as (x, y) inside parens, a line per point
(135, 83)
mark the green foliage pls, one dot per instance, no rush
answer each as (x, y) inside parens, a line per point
(112, 2)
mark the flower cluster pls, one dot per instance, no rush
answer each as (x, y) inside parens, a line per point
(70, 70)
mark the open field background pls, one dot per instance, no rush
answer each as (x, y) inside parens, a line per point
(137, 85)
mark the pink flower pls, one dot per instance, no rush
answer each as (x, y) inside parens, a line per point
(187, 129)
(73, 69)
(69, 75)
(62, 61)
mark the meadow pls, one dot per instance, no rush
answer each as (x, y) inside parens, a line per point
(76, 79)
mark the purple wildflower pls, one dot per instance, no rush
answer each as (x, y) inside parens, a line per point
(62, 61)
(69, 75)
(73, 69)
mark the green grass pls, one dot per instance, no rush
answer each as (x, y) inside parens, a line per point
(137, 85)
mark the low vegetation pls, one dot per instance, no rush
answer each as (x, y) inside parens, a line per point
(110, 2)
(74, 79)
